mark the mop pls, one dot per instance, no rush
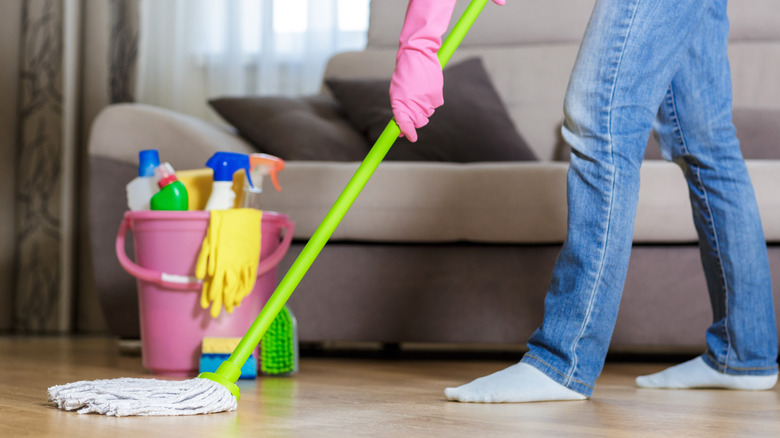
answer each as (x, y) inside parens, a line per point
(217, 392)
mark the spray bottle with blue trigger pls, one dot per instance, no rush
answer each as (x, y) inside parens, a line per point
(224, 165)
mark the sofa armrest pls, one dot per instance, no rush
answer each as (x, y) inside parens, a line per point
(121, 130)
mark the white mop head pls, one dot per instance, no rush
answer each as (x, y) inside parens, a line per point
(123, 397)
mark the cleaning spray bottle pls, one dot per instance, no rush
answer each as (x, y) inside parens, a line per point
(260, 165)
(172, 194)
(224, 165)
(141, 189)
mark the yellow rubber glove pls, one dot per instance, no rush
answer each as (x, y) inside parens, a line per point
(228, 258)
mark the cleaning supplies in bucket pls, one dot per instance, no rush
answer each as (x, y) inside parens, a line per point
(200, 182)
(227, 262)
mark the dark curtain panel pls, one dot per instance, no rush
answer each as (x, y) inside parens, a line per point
(49, 292)
(123, 50)
(38, 168)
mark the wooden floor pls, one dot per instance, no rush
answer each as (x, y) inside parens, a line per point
(354, 397)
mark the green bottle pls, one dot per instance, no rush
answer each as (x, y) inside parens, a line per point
(172, 194)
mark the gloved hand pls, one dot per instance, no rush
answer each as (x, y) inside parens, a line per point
(228, 259)
(417, 82)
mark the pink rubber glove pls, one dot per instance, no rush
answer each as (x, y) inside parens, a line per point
(417, 83)
(416, 86)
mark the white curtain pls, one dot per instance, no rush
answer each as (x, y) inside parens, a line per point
(193, 50)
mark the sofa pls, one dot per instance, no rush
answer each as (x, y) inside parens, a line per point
(455, 253)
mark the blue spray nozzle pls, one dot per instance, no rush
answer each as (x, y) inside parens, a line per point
(225, 164)
(148, 160)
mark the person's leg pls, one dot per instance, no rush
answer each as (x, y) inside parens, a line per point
(695, 130)
(629, 55)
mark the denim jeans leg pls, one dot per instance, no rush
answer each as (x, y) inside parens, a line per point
(696, 131)
(629, 55)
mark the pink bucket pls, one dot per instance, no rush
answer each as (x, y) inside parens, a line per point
(173, 324)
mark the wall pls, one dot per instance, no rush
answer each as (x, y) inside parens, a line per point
(10, 14)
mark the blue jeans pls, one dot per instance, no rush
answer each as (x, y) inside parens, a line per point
(662, 62)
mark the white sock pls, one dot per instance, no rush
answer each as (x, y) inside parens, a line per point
(518, 383)
(697, 374)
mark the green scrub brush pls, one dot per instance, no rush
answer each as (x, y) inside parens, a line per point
(279, 347)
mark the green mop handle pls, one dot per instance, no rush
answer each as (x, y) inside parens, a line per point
(230, 369)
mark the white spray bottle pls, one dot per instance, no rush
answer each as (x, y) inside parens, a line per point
(141, 189)
(224, 165)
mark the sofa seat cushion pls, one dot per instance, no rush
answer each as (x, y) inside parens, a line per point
(522, 202)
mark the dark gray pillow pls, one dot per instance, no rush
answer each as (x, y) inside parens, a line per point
(306, 128)
(472, 125)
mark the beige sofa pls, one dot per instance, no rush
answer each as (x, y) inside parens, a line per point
(462, 253)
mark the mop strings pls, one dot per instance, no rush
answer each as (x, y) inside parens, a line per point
(129, 396)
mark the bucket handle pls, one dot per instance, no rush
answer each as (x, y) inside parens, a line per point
(188, 282)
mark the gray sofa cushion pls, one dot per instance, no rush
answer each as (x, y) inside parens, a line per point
(308, 128)
(471, 126)
(512, 202)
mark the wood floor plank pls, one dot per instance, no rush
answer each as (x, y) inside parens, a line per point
(372, 398)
